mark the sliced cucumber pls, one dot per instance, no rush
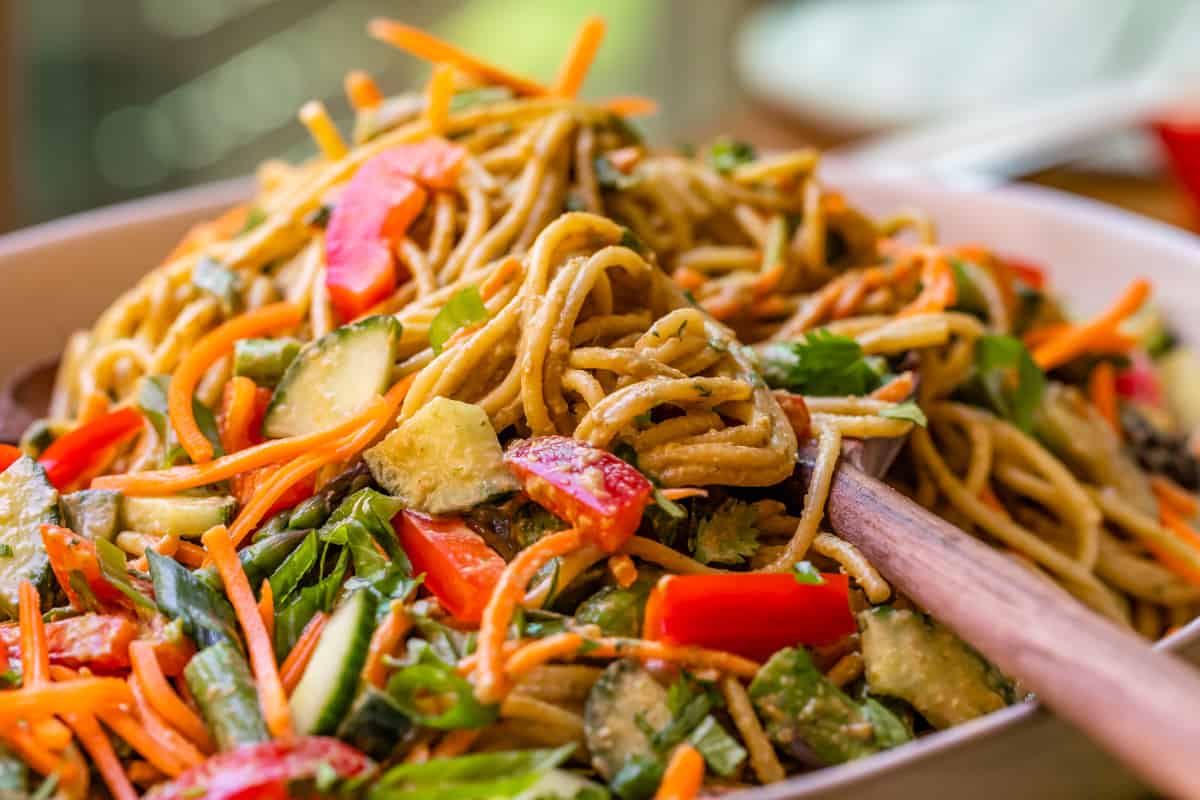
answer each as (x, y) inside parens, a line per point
(445, 458)
(333, 378)
(93, 513)
(187, 517)
(326, 690)
(625, 700)
(27, 501)
(376, 725)
(264, 360)
(220, 680)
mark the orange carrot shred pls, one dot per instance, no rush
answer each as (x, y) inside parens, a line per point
(266, 608)
(499, 276)
(455, 743)
(361, 90)
(100, 749)
(688, 278)
(438, 97)
(86, 696)
(35, 653)
(297, 660)
(939, 288)
(1082, 338)
(431, 48)
(1173, 496)
(1102, 390)
(203, 354)
(631, 106)
(190, 555)
(183, 750)
(262, 653)
(684, 775)
(163, 698)
(154, 750)
(237, 413)
(623, 570)
(684, 492)
(575, 66)
(1187, 534)
(897, 390)
(383, 641)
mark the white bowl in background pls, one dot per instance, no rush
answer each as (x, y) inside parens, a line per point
(56, 278)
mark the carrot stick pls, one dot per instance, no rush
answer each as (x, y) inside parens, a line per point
(431, 48)
(203, 354)
(1173, 496)
(258, 642)
(266, 608)
(896, 391)
(177, 479)
(163, 698)
(579, 58)
(499, 276)
(684, 775)
(1102, 389)
(456, 743)
(297, 660)
(1187, 534)
(35, 653)
(527, 656)
(437, 98)
(939, 291)
(361, 90)
(186, 752)
(152, 749)
(43, 761)
(723, 306)
(383, 641)
(94, 406)
(508, 592)
(86, 696)
(237, 413)
(100, 749)
(190, 555)
(684, 492)
(623, 570)
(1080, 338)
(631, 106)
(532, 655)
(688, 278)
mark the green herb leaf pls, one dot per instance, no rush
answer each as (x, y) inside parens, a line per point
(968, 296)
(463, 309)
(115, 571)
(205, 613)
(721, 751)
(823, 364)
(806, 573)
(1006, 379)
(908, 410)
(304, 604)
(478, 775)
(152, 400)
(726, 154)
(638, 778)
(219, 281)
(728, 536)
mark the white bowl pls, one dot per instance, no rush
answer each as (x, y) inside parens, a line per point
(57, 277)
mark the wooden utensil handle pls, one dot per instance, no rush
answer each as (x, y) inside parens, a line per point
(1141, 704)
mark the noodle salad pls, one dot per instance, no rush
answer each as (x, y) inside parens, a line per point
(459, 463)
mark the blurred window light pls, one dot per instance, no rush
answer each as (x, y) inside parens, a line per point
(122, 151)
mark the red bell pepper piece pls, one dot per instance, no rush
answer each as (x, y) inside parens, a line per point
(373, 214)
(599, 494)
(751, 614)
(69, 552)
(8, 454)
(1140, 382)
(1030, 274)
(459, 567)
(74, 453)
(99, 642)
(264, 770)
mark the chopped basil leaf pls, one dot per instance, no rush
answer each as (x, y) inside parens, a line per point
(180, 594)
(1006, 379)
(806, 573)
(463, 309)
(823, 364)
(908, 410)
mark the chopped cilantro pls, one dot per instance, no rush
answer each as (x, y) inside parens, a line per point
(728, 536)
(908, 410)
(1006, 379)
(806, 573)
(823, 364)
(726, 154)
(463, 309)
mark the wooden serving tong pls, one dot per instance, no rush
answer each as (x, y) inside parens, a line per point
(1140, 704)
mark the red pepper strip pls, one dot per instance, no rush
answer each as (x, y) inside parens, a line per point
(69, 552)
(1140, 382)
(753, 615)
(372, 216)
(264, 770)
(74, 453)
(600, 495)
(99, 642)
(460, 569)
(1029, 274)
(8, 454)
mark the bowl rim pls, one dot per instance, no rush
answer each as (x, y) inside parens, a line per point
(1039, 199)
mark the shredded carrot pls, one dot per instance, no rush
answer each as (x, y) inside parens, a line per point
(684, 492)
(96, 742)
(579, 58)
(988, 496)
(723, 306)
(202, 234)
(262, 654)
(190, 555)
(684, 775)
(50, 733)
(431, 48)
(536, 652)
(203, 355)
(1081, 338)
(631, 106)
(508, 592)
(86, 696)
(895, 391)
(1174, 497)
(771, 307)
(35, 653)
(455, 743)
(361, 90)
(163, 698)
(499, 276)
(178, 479)
(1188, 535)
(1102, 390)
(145, 774)
(160, 729)
(688, 278)
(154, 750)
(238, 410)
(94, 406)
(939, 288)
(383, 642)
(266, 608)
(623, 570)
(530, 656)
(1111, 341)
(66, 764)
(438, 97)
(768, 280)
